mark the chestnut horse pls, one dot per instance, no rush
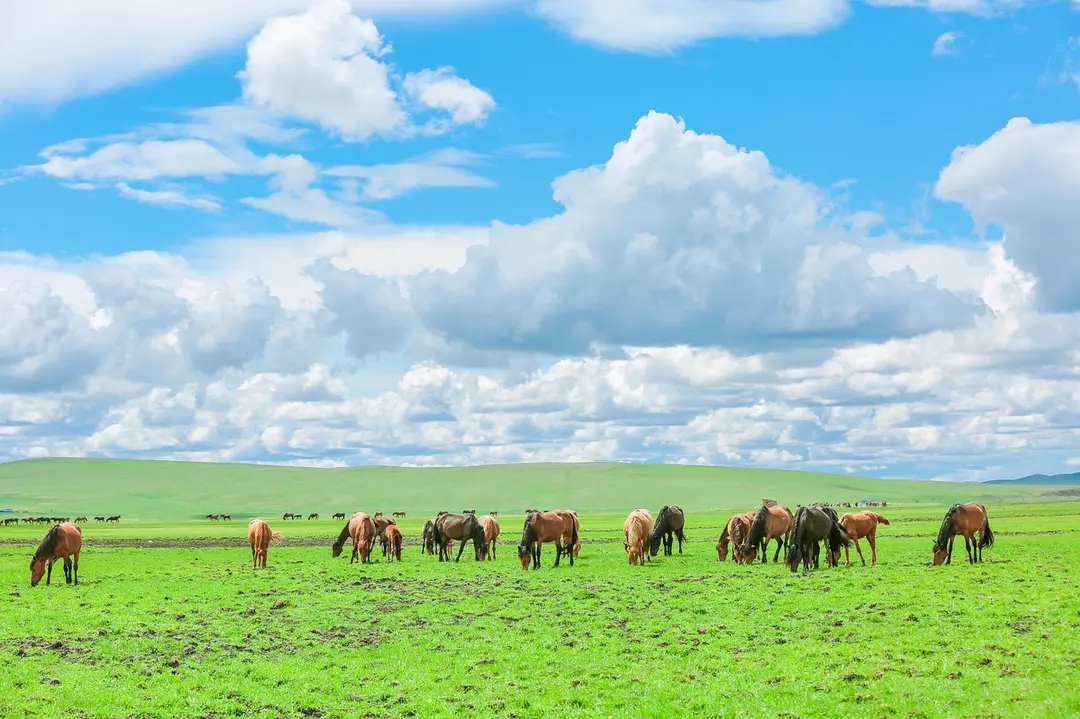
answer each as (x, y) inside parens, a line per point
(670, 521)
(491, 533)
(636, 528)
(62, 540)
(393, 541)
(742, 520)
(862, 525)
(259, 536)
(966, 519)
(558, 526)
(381, 523)
(362, 530)
(772, 522)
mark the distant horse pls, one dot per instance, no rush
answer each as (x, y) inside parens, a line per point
(862, 525)
(114, 518)
(96, 519)
(399, 514)
(313, 515)
(338, 515)
(743, 521)
(393, 540)
(227, 517)
(966, 519)
(494, 513)
(377, 515)
(770, 522)
(669, 521)
(287, 515)
(259, 536)
(813, 524)
(77, 520)
(558, 526)
(62, 540)
(212, 517)
(361, 528)
(491, 533)
(462, 527)
(636, 530)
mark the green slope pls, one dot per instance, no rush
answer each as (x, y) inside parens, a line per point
(141, 489)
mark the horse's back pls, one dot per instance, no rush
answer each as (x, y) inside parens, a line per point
(72, 537)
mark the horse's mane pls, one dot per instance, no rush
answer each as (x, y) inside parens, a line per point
(736, 536)
(660, 525)
(48, 543)
(838, 536)
(946, 530)
(757, 527)
(528, 533)
(794, 554)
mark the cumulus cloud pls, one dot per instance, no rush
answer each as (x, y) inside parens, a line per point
(1025, 178)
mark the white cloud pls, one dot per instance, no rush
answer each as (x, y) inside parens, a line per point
(443, 90)
(971, 7)
(140, 161)
(71, 48)
(945, 44)
(173, 198)
(382, 182)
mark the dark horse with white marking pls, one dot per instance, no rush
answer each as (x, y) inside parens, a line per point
(669, 521)
(461, 527)
(813, 524)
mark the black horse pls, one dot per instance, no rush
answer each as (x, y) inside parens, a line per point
(460, 527)
(669, 521)
(813, 524)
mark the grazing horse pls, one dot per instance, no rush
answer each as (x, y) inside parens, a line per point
(427, 537)
(558, 526)
(669, 521)
(966, 519)
(227, 517)
(636, 529)
(362, 530)
(259, 536)
(393, 540)
(862, 525)
(491, 533)
(813, 524)
(287, 515)
(338, 515)
(742, 521)
(77, 520)
(462, 527)
(770, 522)
(62, 540)
(494, 513)
(399, 514)
(381, 523)
(114, 518)
(212, 517)
(313, 515)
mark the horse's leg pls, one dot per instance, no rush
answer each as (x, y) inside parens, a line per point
(67, 570)
(948, 559)
(460, 549)
(536, 555)
(967, 547)
(858, 548)
(48, 574)
(75, 568)
(871, 539)
(558, 552)
(681, 537)
(779, 546)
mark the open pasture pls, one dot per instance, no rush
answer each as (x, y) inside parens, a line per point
(170, 620)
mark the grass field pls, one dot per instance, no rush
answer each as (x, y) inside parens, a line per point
(170, 620)
(185, 490)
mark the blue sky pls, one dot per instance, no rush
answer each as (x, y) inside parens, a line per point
(275, 241)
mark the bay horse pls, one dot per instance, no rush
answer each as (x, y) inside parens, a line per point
(259, 536)
(491, 533)
(62, 540)
(966, 519)
(769, 522)
(393, 540)
(636, 529)
(338, 515)
(813, 524)
(862, 525)
(427, 537)
(743, 521)
(670, 521)
(558, 526)
(462, 527)
(362, 530)
(381, 523)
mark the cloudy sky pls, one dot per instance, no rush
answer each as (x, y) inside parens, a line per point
(809, 234)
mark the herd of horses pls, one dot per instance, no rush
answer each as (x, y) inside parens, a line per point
(745, 534)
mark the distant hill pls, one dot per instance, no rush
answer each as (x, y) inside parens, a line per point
(1045, 480)
(147, 489)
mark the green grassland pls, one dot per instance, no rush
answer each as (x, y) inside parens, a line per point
(159, 490)
(170, 620)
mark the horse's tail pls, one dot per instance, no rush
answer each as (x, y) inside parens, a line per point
(276, 536)
(880, 519)
(986, 538)
(573, 530)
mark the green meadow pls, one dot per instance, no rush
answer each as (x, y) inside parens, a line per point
(170, 620)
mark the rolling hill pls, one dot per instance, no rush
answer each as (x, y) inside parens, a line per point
(151, 489)
(1044, 480)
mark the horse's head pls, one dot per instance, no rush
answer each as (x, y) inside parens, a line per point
(524, 555)
(940, 554)
(336, 552)
(37, 570)
(721, 551)
(654, 543)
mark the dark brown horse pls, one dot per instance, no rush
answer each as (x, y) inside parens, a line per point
(670, 521)
(463, 528)
(813, 524)
(558, 526)
(966, 519)
(362, 530)
(62, 540)
(427, 537)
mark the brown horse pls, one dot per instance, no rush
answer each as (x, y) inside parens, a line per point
(462, 527)
(862, 525)
(670, 521)
(427, 537)
(966, 519)
(62, 540)
(381, 523)
(491, 533)
(742, 521)
(362, 530)
(259, 536)
(636, 529)
(558, 526)
(770, 522)
(393, 541)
